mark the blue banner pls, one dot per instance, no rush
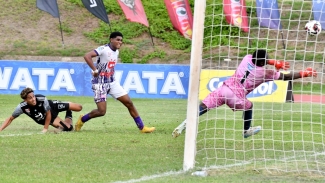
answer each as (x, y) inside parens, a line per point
(319, 11)
(74, 79)
(268, 14)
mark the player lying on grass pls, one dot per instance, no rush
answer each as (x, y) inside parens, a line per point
(103, 83)
(248, 76)
(44, 112)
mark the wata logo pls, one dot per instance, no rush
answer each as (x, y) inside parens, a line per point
(264, 89)
(23, 77)
(153, 81)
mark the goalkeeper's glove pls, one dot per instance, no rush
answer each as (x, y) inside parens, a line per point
(279, 64)
(309, 72)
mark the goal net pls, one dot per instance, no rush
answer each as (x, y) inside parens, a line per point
(290, 114)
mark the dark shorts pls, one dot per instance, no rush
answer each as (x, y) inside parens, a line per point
(56, 107)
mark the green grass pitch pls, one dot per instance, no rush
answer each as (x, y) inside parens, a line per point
(111, 149)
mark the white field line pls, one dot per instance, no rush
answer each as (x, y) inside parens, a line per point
(214, 167)
(250, 162)
(16, 135)
(144, 178)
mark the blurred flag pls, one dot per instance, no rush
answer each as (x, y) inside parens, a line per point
(235, 12)
(319, 12)
(181, 16)
(97, 8)
(134, 11)
(49, 6)
(268, 14)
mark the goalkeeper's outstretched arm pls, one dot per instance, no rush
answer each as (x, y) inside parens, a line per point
(309, 72)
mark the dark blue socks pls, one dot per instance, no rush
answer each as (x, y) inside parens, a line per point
(85, 118)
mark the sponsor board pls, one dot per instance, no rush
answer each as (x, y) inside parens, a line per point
(139, 80)
(272, 91)
(74, 78)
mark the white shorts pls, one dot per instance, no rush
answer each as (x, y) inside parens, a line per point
(102, 89)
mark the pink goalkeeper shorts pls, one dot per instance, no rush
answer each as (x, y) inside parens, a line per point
(225, 95)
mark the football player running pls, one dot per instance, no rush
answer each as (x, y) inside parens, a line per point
(103, 83)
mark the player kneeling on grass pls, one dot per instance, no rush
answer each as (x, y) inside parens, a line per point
(44, 112)
(103, 83)
(248, 76)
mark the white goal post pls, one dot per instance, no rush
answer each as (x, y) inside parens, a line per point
(292, 139)
(193, 94)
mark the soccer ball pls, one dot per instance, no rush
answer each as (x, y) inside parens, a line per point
(313, 27)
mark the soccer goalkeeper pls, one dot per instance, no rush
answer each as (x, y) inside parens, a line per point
(248, 76)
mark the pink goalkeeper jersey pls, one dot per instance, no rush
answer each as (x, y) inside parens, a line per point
(247, 77)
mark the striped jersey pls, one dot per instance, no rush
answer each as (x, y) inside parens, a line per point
(106, 61)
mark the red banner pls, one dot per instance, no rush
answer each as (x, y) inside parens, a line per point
(180, 15)
(235, 12)
(134, 11)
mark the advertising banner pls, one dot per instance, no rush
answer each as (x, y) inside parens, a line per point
(268, 14)
(273, 91)
(236, 14)
(139, 80)
(73, 78)
(48, 78)
(180, 15)
(96, 8)
(49, 6)
(134, 11)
